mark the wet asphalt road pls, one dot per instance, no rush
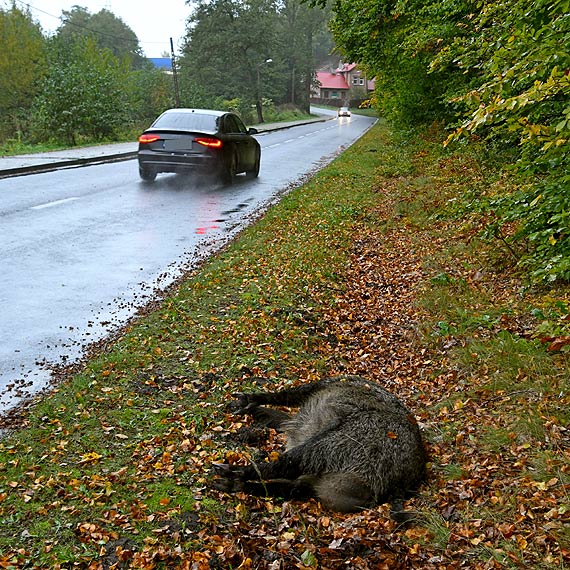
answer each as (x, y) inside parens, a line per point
(81, 249)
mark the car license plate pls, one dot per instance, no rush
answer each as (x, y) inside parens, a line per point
(177, 144)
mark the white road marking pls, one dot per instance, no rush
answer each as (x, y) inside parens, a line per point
(322, 129)
(54, 203)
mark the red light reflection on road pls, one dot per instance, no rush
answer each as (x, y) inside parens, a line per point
(205, 230)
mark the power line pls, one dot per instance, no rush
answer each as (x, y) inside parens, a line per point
(85, 28)
(38, 10)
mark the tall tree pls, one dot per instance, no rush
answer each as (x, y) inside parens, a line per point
(299, 25)
(108, 30)
(22, 65)
(252, 50)
(228, 47)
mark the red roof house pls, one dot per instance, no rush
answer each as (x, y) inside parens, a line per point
(341, 84)
(333, 81)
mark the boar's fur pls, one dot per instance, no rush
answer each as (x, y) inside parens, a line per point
(352, 445)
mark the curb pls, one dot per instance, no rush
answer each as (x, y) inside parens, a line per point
(277, 127)
(37, 168)
(118, 157)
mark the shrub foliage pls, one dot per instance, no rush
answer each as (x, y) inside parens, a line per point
(492, 71)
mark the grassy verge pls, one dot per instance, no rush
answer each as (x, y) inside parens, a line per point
(15, 148)
(285, 113)
(361, 271)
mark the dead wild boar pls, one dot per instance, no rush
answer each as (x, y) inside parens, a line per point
(352, 445)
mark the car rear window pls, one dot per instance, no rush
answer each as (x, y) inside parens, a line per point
(187, 122)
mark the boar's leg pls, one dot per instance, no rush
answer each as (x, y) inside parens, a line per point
(268, 417)
(286, 488)
(290, 397)
(233, 478)
(342, 492)
(287, 466)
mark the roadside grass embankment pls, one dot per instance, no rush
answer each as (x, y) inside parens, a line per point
(367, 270)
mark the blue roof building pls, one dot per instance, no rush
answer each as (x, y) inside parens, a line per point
(164, 63)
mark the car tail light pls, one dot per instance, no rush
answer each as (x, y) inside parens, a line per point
(209, 142)
(148, 138)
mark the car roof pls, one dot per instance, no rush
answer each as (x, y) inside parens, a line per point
(197, 111)
(182, 119)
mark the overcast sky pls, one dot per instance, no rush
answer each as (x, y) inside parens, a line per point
(153, 21)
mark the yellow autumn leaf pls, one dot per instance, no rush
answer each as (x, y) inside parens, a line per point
(91, 457)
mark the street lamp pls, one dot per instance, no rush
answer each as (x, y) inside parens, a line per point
(258, 104)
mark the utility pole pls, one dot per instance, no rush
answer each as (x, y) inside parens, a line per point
(259, 100)
(174, 74)
(293, 86)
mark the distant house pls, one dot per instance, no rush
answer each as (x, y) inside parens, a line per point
(339, 87)
(164, 63)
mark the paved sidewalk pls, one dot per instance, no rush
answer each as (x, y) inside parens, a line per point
(45, 161)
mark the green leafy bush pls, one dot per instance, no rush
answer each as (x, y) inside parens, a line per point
(523, 100)
(83, 95)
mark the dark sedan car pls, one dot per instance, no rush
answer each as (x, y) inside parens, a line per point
(187, 140)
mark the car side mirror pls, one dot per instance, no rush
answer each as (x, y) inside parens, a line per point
(252, 131)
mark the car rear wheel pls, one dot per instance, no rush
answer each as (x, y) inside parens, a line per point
(230, 169)
(147, 174)
(254, 172)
